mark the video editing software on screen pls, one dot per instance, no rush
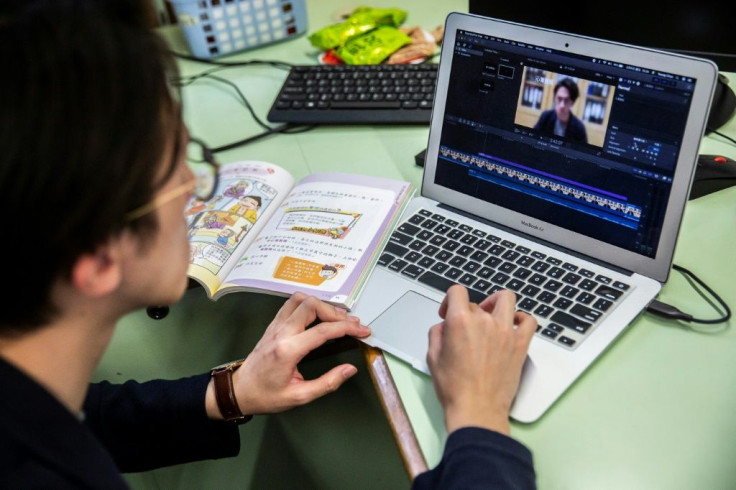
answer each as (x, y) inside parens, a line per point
(608, 176)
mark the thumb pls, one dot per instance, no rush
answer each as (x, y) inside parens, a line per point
(327, 383)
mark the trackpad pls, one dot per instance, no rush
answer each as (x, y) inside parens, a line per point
(403, 328)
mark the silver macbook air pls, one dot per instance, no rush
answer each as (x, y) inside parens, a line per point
(557, 166)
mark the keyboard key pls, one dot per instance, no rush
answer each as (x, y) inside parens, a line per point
(398, 237)
(408, 228)
(440, 267)
(397, 265)
(609, 293)
(412, 271)
(467, 279)
(569, 321)
(543, 311)
(585, 312)
(527, 304)
(443, 284)
(500, 278)
(602, 304)
(603, 279)
(396, 249)
(453, 273)
(566, 341)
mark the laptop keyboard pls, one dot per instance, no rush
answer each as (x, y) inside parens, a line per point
(567, 299)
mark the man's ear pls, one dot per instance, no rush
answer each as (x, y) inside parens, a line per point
(100, 272)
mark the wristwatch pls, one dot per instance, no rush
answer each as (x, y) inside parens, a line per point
(225, 393)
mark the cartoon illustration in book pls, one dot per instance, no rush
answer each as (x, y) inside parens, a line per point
(247, 207)
(225, 237)
(195, 252)
(328, 271)
(198, 206)
(238, 189)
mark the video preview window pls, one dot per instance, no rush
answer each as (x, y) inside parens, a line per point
(558, 105)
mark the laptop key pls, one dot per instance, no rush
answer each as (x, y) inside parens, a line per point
(396, 249)
(397, 237)
(585, 312)
(443, 284)
(424, 235)
(416, 219)
(408, 228)
(566, 341)
(603, 279)
(527, 304)
(397, 265)
(443, 255)
(442, 229)
(385, 259)
(426, 262)
(453, 273)
(440, 267)
(587, 284)
(457, 261)
(608, 293)
(602, 304)
(543, 310)
(585, 298)
(569, 321)
(412, 271)
(467, 279)
(417, 245)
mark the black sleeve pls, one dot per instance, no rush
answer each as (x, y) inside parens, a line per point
(476, 458)
(157, 423)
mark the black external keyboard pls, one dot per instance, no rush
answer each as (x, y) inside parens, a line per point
(356, 94)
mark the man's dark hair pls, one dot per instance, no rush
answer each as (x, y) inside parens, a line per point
(87, 116)
(571, 87)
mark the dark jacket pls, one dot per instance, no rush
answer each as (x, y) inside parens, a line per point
(476, 458)
(142, 426)
(575, 130)
(128, 427)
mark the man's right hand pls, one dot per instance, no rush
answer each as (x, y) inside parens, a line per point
(475, 356)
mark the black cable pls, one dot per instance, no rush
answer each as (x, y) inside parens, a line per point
(275, 63)
(722, 135)
(668, 311)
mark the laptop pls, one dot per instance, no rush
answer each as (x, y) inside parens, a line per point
(578, 216)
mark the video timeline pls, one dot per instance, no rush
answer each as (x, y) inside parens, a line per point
(555, 189)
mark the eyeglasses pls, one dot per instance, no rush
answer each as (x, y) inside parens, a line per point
(203, 166)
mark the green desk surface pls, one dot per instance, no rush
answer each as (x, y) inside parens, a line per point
(655, 411)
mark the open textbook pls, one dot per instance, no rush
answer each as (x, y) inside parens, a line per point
(262, 232)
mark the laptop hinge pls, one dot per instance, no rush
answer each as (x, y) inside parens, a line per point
(534, 239)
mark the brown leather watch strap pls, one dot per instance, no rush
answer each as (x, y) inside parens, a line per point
(225, 393)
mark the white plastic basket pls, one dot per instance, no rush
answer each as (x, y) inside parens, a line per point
(217, 27)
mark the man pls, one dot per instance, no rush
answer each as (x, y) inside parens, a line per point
(560, 121)
(94, 149)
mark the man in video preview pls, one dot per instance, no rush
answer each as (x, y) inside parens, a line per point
(560, 121)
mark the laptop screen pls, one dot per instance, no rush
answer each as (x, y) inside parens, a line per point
(586, 144)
